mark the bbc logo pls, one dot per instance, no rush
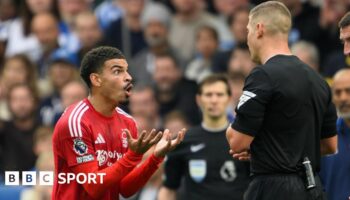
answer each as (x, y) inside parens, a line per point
(29, 178)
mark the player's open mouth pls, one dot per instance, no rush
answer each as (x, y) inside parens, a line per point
(128, 89)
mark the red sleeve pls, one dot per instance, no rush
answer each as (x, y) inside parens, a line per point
(136, 179)
(114, 173)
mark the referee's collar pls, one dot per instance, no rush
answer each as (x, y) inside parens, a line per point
(214, 129)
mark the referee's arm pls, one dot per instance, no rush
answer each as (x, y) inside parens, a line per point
(239, 142)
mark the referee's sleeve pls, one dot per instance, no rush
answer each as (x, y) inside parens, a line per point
(256, 95)
(329, 128)
(173, 169)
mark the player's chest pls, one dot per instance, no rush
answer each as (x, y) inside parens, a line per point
(110, 142)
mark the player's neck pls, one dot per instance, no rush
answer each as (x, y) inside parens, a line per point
(279, 47)
(215, 124)
(102, 106)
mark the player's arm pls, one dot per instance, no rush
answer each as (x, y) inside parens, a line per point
(138, 177)
(166, 194)
(113, 174)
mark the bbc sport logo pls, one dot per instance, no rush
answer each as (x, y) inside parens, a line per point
(12, 178)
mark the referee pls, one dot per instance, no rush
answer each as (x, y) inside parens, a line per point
(202, 161)
(285, 116)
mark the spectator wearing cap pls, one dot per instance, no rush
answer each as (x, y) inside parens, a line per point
(155, 23)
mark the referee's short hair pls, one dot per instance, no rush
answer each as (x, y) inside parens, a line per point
(213, 78)
(94, 60)
(345, 20)
(274, 14)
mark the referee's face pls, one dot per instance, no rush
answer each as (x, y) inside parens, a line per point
(213, 100)
(252, 42)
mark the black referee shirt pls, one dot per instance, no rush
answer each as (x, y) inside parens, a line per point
(288, 108)
(209, 171)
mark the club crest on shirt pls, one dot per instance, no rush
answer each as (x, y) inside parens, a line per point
(79, 146)
(198, 170)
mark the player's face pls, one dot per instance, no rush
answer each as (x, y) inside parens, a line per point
(214, 100)
(345, 38)
(115, 80)
(341, 94)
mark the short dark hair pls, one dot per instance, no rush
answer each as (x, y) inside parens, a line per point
(345, 20)
(210, 29)
(94, 60)
(213, 79)
(171, 57)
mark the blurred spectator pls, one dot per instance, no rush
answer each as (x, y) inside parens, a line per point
(126, 33)
(209, 172)
(240, 61)
(155, 21)
(306, 52)
(45, 162)
(143, 102)
(89, 33)
(189, 16)
(42, 140)
(226, 8)
(207, 41)
(17, 69)
(175, 121)
(45, 27)
(173, 91)
(72, 92)
(19, 38)
(236, 81)
(60, 73)
(69, 9)
(8, 10)
(238, 24)
(16, 143)
(335, 168)
(109, 11)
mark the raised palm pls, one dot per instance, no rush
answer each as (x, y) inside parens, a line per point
(167, 144)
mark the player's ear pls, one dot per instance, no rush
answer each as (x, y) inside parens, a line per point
(260, 28)
(95, 79)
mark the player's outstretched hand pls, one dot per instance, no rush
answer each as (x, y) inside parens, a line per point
(167, 143)
(243, 156)
(144, 141)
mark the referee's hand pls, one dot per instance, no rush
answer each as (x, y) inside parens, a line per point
(242, 156)
(144, 141)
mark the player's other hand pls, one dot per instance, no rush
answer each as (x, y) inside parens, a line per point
(168, 143)
(144, 141)
(242, 156)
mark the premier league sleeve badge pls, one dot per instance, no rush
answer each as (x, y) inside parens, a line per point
(80, 147)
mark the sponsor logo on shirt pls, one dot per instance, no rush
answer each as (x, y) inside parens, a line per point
(197, 147)
(245, 97)
(102, 156)
(80, 147)
(85, 158)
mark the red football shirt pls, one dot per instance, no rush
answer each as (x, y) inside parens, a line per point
(86, 141)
